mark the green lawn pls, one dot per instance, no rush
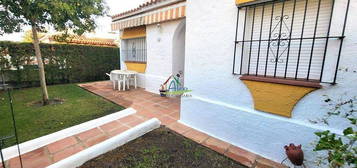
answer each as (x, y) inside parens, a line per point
(36, 121)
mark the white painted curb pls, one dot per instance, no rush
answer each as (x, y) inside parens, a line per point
(31, 145)
(108, 145)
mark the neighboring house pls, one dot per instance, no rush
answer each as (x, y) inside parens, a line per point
(81, 40)
(258, 69)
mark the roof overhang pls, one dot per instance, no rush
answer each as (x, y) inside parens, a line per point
(161, 11)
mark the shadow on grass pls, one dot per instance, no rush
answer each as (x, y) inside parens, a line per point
(35, 121)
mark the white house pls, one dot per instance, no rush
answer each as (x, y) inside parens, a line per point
(258, 68)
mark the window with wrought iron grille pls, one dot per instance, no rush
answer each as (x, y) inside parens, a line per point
(134, 50)
(288, 39)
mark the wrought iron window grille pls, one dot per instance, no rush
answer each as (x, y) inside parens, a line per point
(134, 55)
(288, 39)
(134, 50)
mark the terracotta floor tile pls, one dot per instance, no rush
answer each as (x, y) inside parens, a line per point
(34, 159)
(88, 134)
(157, 105)
(216, 144)
(147, 114)
(67, 152)
(137, 107)
(151, 109)
(159, 114)
(95, 140)
(128, 119)
(165, 103)
(164, 110)
(175, 115)
(147, 104)
(140, 103)
(179, 128)
(197, 136)
(61, 144)
(111, 126)
(34, 154)
(35, 163)
(126, 104)
(166, 120)
(118, 131)
(174, 107)
(266, 163)
(135, 122)
(240, 155)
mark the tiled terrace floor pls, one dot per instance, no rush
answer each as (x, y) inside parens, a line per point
(148, 105)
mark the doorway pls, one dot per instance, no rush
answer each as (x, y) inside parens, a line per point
(178, 56)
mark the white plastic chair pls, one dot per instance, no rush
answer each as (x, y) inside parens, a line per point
(120, 81)
(111, 79)
(131, 78)
(117, 80)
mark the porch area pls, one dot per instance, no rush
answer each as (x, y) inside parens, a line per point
(148, 105)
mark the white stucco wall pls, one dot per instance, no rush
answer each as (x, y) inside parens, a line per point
(159, 54)
(222, 106)
(178, 55)
(141, 79)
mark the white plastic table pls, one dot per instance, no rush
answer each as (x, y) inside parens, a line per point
(125, 73)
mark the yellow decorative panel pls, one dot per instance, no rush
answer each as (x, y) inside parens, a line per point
(275, 98)
(243, 1)
(136, 66)
(135, 32)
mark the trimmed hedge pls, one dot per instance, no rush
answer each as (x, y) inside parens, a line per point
(64, 63)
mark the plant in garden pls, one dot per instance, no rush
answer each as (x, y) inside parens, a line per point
(74, 15)
(342, 150)
(65, 63)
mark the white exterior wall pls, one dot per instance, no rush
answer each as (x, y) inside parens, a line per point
(159, 54)
(159, 40)
(140, 76)
(222, 106)
(178, 55)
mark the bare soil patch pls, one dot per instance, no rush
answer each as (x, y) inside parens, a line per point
(162, 148)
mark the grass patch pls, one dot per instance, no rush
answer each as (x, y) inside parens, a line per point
(162, 148)
(35, 121)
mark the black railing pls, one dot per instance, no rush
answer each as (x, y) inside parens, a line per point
(13, 134)
(287, 39)
(137, 55)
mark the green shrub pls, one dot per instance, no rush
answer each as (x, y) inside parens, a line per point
(64, 63)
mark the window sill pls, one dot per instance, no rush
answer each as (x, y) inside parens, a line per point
(137, 62)
(286, 81)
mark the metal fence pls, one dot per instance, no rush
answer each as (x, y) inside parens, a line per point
(9, 114)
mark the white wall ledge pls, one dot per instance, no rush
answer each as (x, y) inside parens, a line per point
(271, 116)
(34, 144)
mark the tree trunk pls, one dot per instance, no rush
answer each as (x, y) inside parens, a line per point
(41, 68)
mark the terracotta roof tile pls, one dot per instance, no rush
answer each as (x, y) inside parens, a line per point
(88, 41)
(143, 5)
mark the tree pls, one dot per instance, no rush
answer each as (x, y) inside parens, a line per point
(28, 36)
(74, 15)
